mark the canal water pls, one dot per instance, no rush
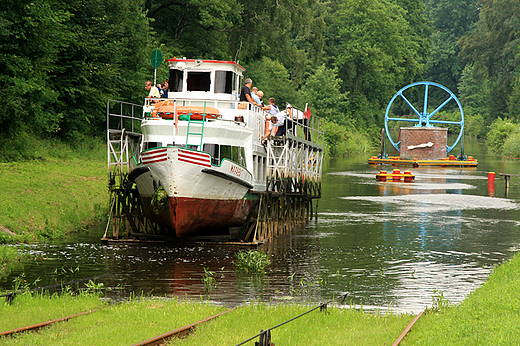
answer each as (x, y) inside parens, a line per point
(382, 245)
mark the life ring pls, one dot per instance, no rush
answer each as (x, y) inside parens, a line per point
(166, 110)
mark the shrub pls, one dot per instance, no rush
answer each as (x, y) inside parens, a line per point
(252, 261)
(512, 145)
(498, 133)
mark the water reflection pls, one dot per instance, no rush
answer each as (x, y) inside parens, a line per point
(387, 244)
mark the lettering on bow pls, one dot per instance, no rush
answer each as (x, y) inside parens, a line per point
(236, 170)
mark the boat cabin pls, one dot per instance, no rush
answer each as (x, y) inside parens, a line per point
(203, 79)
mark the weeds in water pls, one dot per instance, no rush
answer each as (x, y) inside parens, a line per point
(252, 261)
(92, 287)
(21, 284)
(9, 258)
(209, 281)
(439, 303)
(306, 286)
(66, 273)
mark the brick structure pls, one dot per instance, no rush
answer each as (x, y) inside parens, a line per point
(416, 136)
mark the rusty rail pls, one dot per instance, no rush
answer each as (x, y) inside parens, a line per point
(38, 326)
(406, 330)
(178, 333)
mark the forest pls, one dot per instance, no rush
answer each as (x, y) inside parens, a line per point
(60, 61)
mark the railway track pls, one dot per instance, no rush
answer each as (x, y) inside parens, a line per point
(157, 340)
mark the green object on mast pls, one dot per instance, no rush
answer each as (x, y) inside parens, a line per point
(156, 58)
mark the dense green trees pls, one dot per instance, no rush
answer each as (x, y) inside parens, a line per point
(376, 50)
(60, 61)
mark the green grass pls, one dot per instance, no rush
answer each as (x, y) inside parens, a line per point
(488, 316)
(332, 327)
(123, 324)
(63, 191)
(28, 309)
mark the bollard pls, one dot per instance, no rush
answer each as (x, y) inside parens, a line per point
(491, 178)
(491, 184)
(396, 176)
(408, 176)
(382, 176)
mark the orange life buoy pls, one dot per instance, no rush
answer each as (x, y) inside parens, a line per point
(166, 109)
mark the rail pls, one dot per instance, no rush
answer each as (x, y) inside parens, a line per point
(123, 134)
(179, 332)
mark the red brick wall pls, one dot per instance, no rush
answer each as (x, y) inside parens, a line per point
(411, 136)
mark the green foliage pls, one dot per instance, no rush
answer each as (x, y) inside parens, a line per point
(474, 123)
(496, 35)
(450, 20)
(512, 145)
(252, 261)
(339, 141)
(208, 280)
(439, 303)
(499, 131)
(473, 88)
(376, 50)
(322, 90)
(60, 62)
(485, 317)
(273, 79)
(9, 257)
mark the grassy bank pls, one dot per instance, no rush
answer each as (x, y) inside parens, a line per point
(489, 316)
(62, 191)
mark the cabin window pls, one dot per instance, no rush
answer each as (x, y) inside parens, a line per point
(238, 155)
(225, 152)
(175, 80)
(149, 145)
(220, 152)
(223, 82)
(198, 81)
(212, 149)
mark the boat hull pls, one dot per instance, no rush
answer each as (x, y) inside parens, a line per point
(185, 217)
(181, 191)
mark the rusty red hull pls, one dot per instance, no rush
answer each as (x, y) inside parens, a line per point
(186, 217)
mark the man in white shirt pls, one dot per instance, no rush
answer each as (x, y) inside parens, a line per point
(277, 123)
(154, 92)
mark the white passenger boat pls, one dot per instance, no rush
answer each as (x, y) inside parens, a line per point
(200, 152)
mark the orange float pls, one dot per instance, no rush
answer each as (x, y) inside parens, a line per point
(166, 110)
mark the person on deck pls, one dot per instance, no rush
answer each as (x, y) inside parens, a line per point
(278, 123)
(254, 95)
(261, 96)
(271, 108)
(154, 92)
(245, 94)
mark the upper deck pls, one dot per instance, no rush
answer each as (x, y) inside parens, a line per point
(204, 79)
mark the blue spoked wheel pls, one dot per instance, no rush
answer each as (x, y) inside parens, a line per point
(426, 118)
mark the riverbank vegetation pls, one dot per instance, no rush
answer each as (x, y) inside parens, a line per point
(60, 62)
(488, 316)
(63, 189)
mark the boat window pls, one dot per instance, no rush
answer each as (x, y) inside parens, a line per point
(149, 145)
(238, 154)
(220, 152)
(175, 80)
(223, 82)
(198, 81)
(212, 149)
(225, 152)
